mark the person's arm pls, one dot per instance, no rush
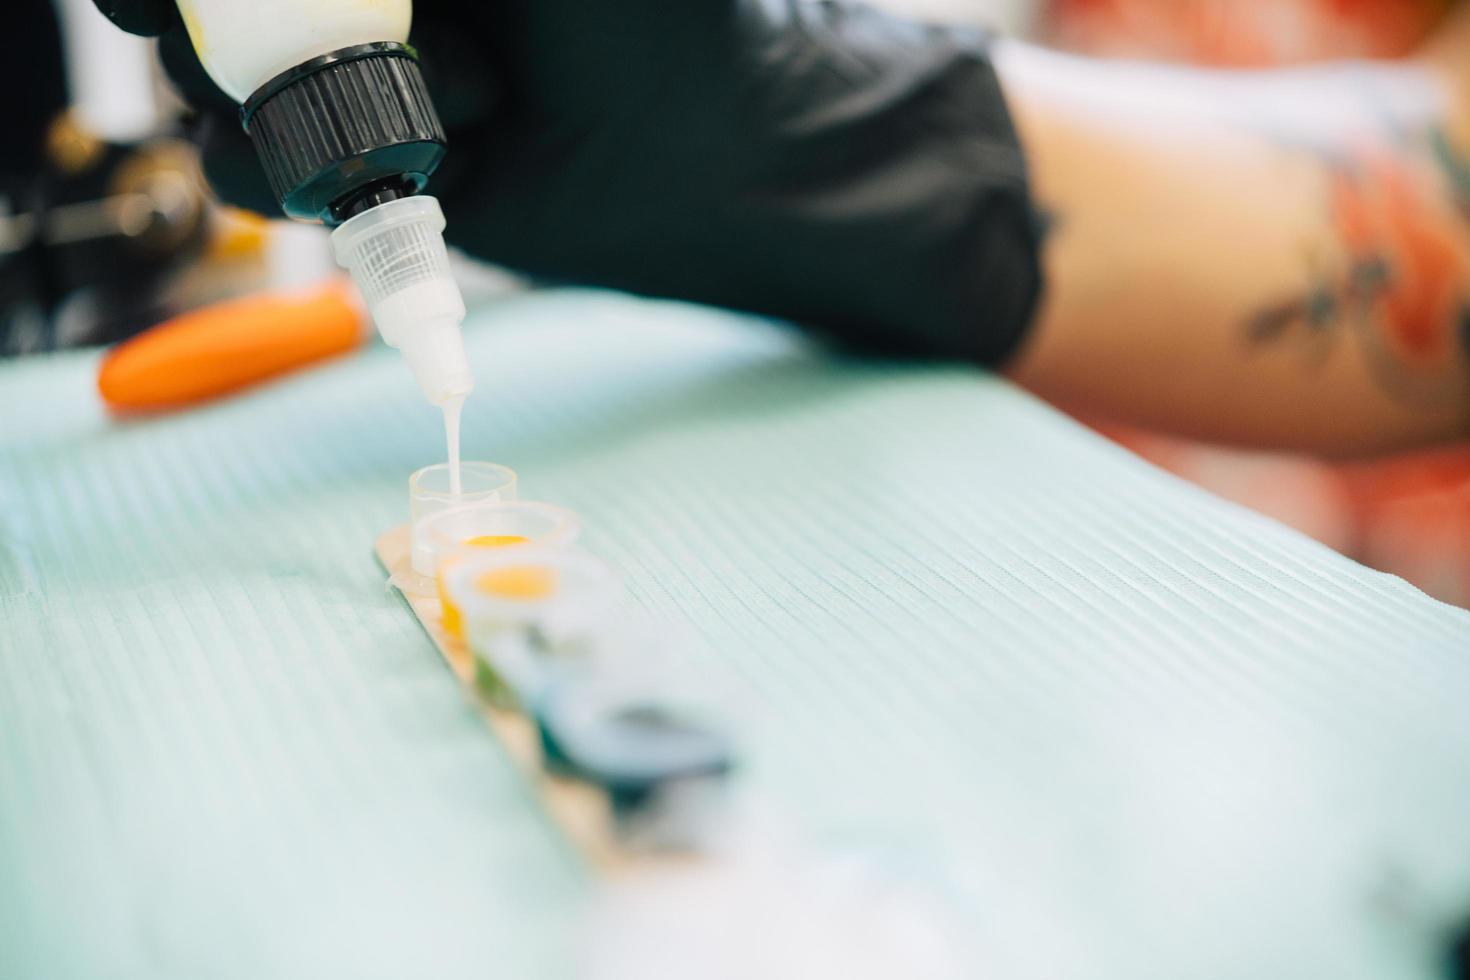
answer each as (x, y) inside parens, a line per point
(1278, 259)
(1222, 259)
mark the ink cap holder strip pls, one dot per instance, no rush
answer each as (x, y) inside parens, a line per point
(543, 622)
(621, 769)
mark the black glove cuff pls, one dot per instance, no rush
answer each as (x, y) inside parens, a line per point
(901, 166)
(993, 275)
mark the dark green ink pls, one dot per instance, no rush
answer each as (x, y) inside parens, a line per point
(1325, 308)
(1270, 324)
(1454, 165)
(1371, 277)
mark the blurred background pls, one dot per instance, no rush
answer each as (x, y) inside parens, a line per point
(107, 228)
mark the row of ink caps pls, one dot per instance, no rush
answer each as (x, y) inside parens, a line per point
(546, 625)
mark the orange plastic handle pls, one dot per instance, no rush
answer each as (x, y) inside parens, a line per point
(223, 348)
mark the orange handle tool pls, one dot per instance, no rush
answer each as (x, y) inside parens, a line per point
(223, 348)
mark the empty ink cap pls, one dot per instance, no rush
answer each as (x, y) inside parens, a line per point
(396, 254)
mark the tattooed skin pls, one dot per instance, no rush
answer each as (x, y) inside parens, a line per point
(1401, 283)
(1456, 167)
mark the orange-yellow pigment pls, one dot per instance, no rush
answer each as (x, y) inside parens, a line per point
(453, 621)
(525, 583)
(494, 540)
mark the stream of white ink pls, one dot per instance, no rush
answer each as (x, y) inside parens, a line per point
(452, 409)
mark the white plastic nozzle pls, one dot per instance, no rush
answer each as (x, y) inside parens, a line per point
(396, 255)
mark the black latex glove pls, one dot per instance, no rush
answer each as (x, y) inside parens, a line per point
(815, 161)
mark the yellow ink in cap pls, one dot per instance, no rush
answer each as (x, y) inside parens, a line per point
(520, 582)
(561, 591)
(450, 534)
(453, 624)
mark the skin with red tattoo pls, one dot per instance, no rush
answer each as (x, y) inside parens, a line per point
(1426, 295)
(1242, 32)
(1270, 258)
(1403, 280)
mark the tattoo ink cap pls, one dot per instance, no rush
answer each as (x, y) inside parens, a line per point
(396, 254)
(346, 130)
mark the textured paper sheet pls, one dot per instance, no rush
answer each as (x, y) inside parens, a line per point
(1129, 730)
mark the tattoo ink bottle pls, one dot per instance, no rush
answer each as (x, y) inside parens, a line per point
(337, 108)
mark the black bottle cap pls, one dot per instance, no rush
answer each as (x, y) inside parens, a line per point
(346, 128)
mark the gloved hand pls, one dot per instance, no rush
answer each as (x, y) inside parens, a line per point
(815, 161)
